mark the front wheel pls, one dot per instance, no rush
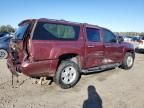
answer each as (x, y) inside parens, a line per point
(67, 74)
(128, 61)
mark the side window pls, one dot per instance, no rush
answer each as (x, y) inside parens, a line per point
(51, 31)
(109, 37)
(93, 35)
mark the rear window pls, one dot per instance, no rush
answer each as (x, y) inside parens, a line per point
(51, 31)
(19, 34)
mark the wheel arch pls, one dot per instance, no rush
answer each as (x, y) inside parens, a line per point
(70, 56)
(130, 51)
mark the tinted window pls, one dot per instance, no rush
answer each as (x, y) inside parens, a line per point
(142, 37)
(19, 34)
(93, 35)
(109, 37)
(50, 31)
(3, 34)
(5, 38)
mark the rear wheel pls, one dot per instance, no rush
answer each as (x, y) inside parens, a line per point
(3, 54)
(128, 61)
(67, 74)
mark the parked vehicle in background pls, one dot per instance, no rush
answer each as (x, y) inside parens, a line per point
(141, 44)
(4, 46)
(64, 50)
(3, 34)
(128, 38)
(136, 38)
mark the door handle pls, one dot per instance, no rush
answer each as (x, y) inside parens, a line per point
(91, 46)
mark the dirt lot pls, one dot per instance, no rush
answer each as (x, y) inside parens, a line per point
(115, 88)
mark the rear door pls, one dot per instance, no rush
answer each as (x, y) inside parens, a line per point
(112, 48)
(94, 47)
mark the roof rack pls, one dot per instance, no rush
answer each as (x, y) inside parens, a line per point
(61, 20)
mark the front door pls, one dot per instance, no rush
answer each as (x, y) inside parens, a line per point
(112, 48)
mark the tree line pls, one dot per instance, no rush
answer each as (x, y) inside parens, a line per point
(7, 28)
(129, 33)
(10, 29)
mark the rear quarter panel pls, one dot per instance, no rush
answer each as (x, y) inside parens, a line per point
(44, 50)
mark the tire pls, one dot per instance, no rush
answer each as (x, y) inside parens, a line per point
(67, 75)
(128, 61)
(3, 54)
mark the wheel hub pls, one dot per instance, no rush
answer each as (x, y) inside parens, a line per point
(3, 54)
(68, 75)
(129, 61)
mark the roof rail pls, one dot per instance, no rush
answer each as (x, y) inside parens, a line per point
(61, 20)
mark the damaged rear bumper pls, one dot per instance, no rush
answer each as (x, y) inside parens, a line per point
(34, 69)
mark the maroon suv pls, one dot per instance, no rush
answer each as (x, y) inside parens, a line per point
(64, 50)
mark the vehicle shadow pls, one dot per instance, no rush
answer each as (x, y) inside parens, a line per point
(94, 100)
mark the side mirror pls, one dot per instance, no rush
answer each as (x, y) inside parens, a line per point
(120, 39)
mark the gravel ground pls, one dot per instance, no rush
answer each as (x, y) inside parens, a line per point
(115, 88)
